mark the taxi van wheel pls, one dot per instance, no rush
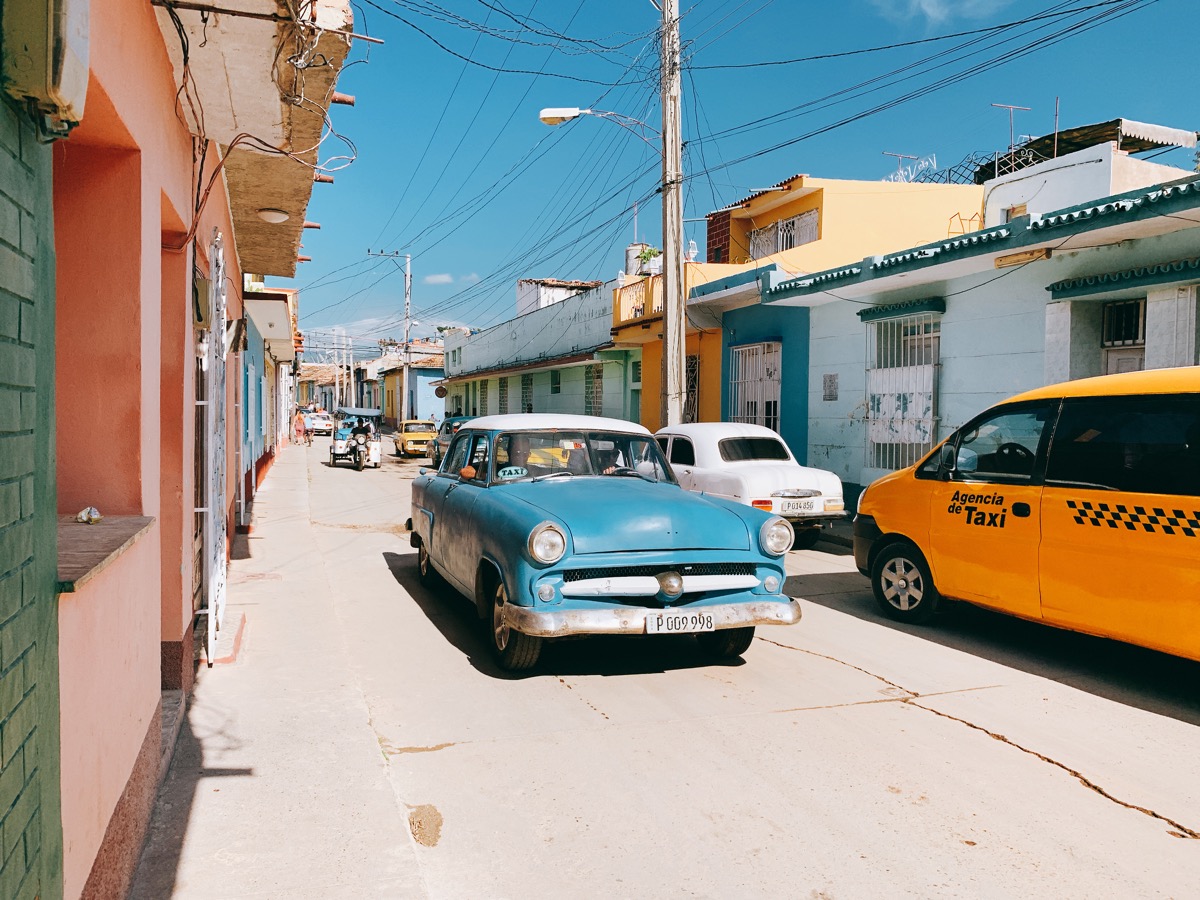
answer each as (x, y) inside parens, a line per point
(806, 538)
(426, 573)
(729, 643)
(902, 584)
(514, 651)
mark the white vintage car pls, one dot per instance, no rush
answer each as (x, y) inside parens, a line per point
(752, 465)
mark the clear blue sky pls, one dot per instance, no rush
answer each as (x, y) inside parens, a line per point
(454, 167)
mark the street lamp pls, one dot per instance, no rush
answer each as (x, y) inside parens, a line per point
(673, 349)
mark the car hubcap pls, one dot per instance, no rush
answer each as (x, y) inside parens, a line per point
(901, 582)
(499, 629)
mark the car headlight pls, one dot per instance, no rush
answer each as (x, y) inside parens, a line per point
(547, 543)
(776, 537)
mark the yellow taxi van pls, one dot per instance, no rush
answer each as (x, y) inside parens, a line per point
(1077, 505)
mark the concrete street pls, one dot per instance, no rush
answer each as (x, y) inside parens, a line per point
(355, 740)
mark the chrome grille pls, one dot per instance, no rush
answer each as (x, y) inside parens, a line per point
(688, 569)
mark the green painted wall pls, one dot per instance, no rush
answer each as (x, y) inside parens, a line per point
(30, 818)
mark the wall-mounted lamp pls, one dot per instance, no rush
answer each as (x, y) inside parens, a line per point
(274, 216)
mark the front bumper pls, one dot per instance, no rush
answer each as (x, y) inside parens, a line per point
(632, 619)
(810, 519)
(866, 533)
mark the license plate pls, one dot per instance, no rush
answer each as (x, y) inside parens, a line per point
(799, 506)
(679, 622)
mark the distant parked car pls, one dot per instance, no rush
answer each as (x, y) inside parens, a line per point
(562, 525)
(322, 423)
(414, 436)
(751, 464)
(446, 431)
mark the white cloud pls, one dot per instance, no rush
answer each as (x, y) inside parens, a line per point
(469, 279)
(938, 11)
(439, 278)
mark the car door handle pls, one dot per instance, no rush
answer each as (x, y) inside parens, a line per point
(1021, 510)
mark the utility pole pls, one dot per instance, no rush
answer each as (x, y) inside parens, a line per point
(674, 378)
(407, 330)
(393, 256)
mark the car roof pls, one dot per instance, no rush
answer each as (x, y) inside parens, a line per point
(563, 421)
(358, 411)
(714, 430)
(1182, 380)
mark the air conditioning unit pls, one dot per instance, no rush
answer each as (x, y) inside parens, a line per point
(45, 59)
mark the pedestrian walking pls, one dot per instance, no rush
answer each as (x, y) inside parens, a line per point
(299, 428)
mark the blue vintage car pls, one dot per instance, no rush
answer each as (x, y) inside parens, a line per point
(559, 525)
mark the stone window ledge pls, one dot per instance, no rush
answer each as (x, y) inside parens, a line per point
(86, 550)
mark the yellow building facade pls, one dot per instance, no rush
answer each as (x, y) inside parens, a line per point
(800, 225)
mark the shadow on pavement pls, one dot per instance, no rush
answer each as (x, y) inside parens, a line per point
(1146, 679)
(454, 616)
(158, 868)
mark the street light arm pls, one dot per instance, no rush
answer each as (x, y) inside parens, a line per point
(557, 115)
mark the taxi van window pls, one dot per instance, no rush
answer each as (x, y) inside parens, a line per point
(457, 457)
(1003, 446)
(1147, 445)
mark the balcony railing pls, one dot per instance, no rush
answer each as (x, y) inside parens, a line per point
(637, 300)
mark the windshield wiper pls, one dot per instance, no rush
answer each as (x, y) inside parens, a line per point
(554, 475)
(625, 470)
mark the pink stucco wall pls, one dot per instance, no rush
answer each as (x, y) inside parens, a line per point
(108, 665)
(123, 186)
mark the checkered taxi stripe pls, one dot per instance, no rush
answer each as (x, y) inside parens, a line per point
(1152, 519)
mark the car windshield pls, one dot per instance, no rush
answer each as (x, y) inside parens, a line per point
(526, 455)
(418, 426)
(741, 449)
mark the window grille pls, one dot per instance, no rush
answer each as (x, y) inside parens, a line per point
(635, 372)
(1124, 324)
(904, 359)
(691, 403)
(755, 371)
(555, 381)
(829, 387)
(502, 396)
(483, 398)
(527, 393)
(784, 234)
(593, 391)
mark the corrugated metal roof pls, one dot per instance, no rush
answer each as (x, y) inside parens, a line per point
(762, 193)
(561, 283)
(1126, 204)
(1175, 270)
(821, 278)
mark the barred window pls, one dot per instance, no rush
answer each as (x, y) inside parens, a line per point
(483, 398)
(555, 381)
(1124, 324)
(784, 234)
(527, 393)
(502, 396)
(593, 391)
(754, 384)
(904, 354)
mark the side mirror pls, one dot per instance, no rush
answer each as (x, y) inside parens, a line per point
(467, 473)
(965, 460)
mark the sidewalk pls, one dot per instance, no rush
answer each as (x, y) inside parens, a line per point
(248, 808)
